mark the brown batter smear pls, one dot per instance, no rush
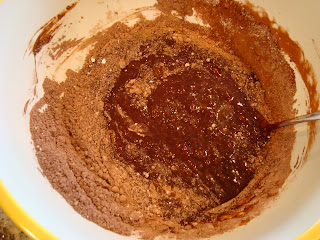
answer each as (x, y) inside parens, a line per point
(164, 128)
(294, 51)
(49, 29)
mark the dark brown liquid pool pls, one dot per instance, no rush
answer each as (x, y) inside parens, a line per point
(194, 122)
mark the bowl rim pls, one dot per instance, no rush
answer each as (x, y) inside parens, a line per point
(37, 232)
(21, 218)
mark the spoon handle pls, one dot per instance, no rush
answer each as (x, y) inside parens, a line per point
(301, 119)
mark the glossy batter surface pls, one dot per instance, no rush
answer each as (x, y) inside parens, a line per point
(198, 122)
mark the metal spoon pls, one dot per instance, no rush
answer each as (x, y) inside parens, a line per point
(304, 118)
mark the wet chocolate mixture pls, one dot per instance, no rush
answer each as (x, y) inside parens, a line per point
(198, 122)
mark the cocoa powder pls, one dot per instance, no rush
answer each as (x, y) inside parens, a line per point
(75, 143)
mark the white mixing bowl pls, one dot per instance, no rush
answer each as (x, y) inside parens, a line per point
(42, 213)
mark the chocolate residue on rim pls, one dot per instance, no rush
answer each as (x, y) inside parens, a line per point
(294, 51)
(48, 30)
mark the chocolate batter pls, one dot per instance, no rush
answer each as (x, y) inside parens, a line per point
(164, 129)
(197, 122)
